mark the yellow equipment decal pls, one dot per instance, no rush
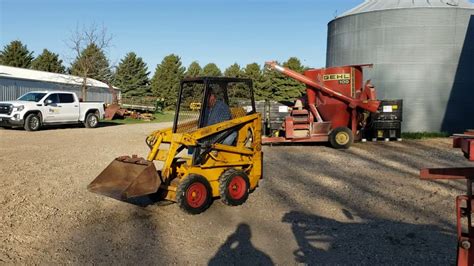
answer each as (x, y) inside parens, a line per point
(195, 106)
(343, 76)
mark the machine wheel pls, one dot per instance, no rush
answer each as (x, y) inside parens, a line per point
(341, 138)
(32, 122)
(194, 194)
(91, 120)
(234, 187)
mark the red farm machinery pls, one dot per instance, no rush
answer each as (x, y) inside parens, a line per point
(464, 203)
(338, 108)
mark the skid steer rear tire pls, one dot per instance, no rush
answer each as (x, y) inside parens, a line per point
(194, 194)
(341, 138)
(234, 187)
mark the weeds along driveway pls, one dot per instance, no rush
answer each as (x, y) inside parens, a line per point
(315, 205)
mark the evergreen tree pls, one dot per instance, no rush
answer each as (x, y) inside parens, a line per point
(212, 70)
(254, 72)
(281, 87)
(236, 92)
(194, 70)
(132, 76)
(49, 62)
(295, 88)
(16, 54)
(166, 80)
(92, 63)
(234, 71)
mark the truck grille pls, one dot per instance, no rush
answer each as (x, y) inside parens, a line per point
(6, 109)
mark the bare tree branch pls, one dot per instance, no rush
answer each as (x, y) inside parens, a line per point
(84, 65)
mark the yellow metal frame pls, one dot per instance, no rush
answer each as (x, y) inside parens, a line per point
(246, 155)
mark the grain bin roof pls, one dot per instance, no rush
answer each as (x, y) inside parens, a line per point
(28, 74)
(376, 5)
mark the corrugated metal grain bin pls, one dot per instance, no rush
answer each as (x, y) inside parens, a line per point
(423, 53)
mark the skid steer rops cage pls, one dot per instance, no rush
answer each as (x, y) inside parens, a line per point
(212, 150)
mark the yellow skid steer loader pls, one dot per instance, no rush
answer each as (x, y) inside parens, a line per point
(211, 151)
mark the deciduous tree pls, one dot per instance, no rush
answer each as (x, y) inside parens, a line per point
(89, 46)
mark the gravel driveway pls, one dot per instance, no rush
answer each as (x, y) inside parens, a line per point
(315, 205)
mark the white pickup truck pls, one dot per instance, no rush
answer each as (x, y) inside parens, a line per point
(38, 108)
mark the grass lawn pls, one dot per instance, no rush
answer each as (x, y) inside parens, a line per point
(165, 117)
(424, 135)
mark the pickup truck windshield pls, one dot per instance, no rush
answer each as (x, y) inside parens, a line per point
(32, 97)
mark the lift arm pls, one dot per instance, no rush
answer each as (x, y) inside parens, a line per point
(369, 105)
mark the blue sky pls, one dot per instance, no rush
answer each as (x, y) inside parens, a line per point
(223, 32)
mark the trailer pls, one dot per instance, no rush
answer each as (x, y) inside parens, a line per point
(337, 108)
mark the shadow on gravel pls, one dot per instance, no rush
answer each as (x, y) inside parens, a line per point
(108, 124)
(324, 240)
(238, 250)
(106, 237)
(407, 193)
(380, 184)
(298, 144)
(67, 126)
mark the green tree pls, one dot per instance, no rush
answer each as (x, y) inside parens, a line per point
(166, 80)
(92, 63)
(254, 72)
(194, 70)
(132, 76)
(212, 70)
(16, 54)
(49, 62)
(234, 71)
(282, 87)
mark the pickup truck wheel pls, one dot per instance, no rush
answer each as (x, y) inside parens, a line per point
(92, 121)
(32, 122)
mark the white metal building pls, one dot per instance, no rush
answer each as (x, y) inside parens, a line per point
(15, 82)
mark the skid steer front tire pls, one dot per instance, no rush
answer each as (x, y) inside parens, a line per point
(234, 187)
(193, 194)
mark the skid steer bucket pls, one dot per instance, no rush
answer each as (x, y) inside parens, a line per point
(126, 178)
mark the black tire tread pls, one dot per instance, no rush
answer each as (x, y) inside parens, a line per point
(332, 138)
(86, 121)
(181, 194)
(26, 126)
(224, 179)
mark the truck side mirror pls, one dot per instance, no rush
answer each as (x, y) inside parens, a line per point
(48, 102)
